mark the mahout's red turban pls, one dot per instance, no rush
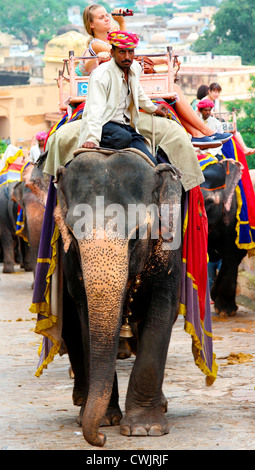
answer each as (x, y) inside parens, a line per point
(123, 39)
(205, 104)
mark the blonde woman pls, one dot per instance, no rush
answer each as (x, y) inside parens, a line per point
(98, 23)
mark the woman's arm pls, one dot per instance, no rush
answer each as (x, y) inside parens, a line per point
(120, 19)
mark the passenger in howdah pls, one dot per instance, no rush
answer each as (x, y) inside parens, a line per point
(213, 95)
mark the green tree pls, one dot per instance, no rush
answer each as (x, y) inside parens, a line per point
(3, 147)
(246, 120)
(209, 3)
(26, 19)
(234, 32)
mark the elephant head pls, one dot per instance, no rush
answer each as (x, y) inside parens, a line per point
(36, 180)
(218, 190)
(100, 193)
(33, 211)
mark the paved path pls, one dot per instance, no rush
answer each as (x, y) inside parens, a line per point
(37, 413)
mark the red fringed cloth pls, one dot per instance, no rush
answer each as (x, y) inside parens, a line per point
(195, 297)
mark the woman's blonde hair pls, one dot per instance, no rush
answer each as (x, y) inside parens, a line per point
(88, 17)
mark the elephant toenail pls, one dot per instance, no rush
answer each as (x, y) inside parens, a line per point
(125, 431)
(139, 431)
(155, 431)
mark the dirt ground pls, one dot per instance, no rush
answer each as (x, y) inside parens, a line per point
(38, 414)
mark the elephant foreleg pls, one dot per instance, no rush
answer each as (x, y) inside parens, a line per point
(71, 333)
(223, 292)
(224, 289)
(145, 403)
(8, 249)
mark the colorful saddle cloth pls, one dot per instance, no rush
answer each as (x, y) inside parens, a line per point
(13, 168)
(12, 171)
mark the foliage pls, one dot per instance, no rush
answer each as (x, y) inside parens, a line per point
(234, 32)
(246, 120)
(193, 5)
(27, 19)
(164, 10)
(3, 146)
(209, 3)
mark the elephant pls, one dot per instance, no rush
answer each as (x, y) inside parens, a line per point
(220, 200)
(112, 272)
(33, 211)
(11, 244)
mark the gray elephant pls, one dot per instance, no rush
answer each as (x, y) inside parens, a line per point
(101, 274)
(13, 248)
(220, 199)
(125, 269)
(33, 212)
(8, 215)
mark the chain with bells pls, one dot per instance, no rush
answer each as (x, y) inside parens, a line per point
(126, 331)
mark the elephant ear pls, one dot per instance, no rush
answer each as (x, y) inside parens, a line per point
(169, 199)
(17, 194)
(169, 182)
(233, 170)
(60, 210)
(36, 180)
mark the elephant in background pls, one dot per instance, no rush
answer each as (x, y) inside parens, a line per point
(13, 249)
(220, 200)
(108, 277)
(33, 212)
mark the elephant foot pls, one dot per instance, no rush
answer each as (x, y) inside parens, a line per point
(8, 268)
(225, 313)
(145, 422)
(28, 268)
(112, 418)
(79, 395)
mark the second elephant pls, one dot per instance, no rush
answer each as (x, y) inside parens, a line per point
(219, 191)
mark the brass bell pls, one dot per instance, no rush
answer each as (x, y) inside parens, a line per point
(125, 331)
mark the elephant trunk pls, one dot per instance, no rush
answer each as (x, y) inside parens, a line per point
(105, 272)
